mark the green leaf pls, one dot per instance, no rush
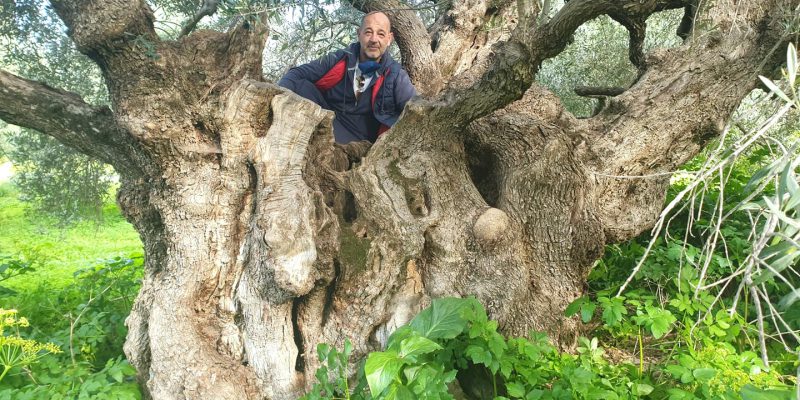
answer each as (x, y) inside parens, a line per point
(660, 321)
(704, 374)
(789, 299)
(323, 349)
(381, 369)
(515, 389)
(478, 355)
(642, 389)
(116, 374)
(791, 64)
(587, 311)
(575, 306)
(443, 319)
(417, 345)
(750, 392)
(399, 392)
(774, 88)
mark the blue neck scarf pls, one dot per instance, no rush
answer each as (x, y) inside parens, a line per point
(368, 67)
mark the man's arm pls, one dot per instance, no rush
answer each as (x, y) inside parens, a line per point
(310, 72)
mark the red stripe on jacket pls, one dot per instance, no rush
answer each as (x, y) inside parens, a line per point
(332, 77)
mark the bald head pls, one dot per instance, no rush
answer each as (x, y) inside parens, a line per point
(375, 36)
(375, 15)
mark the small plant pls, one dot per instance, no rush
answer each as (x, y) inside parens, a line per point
(16, 351)
(11, 267)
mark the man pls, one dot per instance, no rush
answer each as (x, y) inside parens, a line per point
(362, 84)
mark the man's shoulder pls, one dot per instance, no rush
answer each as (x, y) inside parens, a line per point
(340, 53)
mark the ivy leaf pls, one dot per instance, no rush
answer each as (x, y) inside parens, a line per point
(381, 369)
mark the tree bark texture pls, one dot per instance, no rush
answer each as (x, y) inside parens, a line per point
(260, 245)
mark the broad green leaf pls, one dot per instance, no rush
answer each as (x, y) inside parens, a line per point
(587, 311)
(323, 349)
(417, 345)
(443, 319)
(381, 369)
(515, 389)
(704, 374)
(750, 392)
(642, 389)
(399, 392)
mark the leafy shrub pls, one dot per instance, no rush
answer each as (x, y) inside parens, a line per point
(86, 322)
(454, 338)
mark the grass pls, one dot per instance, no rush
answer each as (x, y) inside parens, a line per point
(59, 252)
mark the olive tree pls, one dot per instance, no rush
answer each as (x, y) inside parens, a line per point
(485, 187)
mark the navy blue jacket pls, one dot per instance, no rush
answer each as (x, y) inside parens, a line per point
(355, 120)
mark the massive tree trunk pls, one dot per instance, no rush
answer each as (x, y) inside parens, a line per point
(486, 186)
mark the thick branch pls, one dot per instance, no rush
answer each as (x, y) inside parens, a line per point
(506, 75)
(412, 38)
(64, 116)
(681, 102)
(553, 36)
(100, 27)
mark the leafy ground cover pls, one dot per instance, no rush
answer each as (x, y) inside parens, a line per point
(66, 292)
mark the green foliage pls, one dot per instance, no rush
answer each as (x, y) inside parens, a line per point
(453, 336)
(11, 267)
(85, 321)
(58, 182)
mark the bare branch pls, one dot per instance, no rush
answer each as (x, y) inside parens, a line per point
(553, 36)
(637, 29)
(63, 115)
(208, 8)
(595, 91)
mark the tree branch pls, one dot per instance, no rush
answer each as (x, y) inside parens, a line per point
(63, 115)
(208, 8)
(637, 29)
(506, 75)
(551, 38)
(101, 27)
(595, 91)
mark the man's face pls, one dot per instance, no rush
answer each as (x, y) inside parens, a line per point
(375, 36)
